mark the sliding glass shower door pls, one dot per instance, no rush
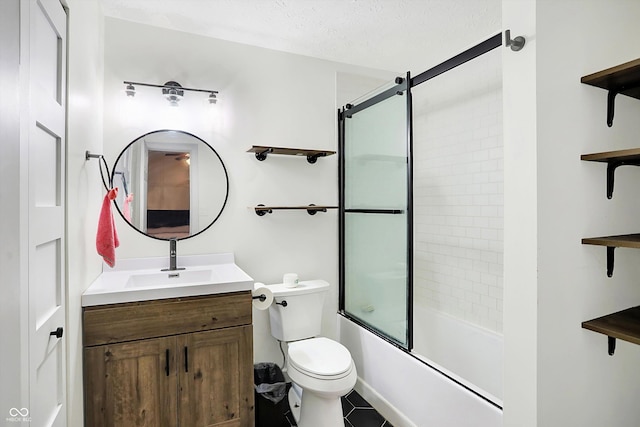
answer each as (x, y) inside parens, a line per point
(375, 212)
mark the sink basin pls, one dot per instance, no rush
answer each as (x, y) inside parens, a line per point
(142, 279)
(168, 278)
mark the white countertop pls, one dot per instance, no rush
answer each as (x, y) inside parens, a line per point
(141, 279)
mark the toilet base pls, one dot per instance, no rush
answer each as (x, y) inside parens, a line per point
(315, 411)
(294, 398)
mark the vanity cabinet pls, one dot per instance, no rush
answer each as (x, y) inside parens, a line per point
(174, 362)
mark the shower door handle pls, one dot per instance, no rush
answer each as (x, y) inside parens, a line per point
(376, 211)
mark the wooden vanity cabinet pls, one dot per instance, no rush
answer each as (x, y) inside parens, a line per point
(174, 362)
(125, 384)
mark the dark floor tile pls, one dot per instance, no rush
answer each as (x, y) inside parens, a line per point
(347, 406)
(357, 400)
(365, 417)
(357, 413)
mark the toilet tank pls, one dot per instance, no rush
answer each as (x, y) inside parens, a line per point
(302, 316)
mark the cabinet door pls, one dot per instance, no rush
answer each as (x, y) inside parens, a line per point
(131, 384)
(216, 378)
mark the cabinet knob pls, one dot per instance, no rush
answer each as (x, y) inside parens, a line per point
(57, 333)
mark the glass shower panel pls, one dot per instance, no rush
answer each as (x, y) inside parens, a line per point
(376, 247)
(376, 156)
(376, 274)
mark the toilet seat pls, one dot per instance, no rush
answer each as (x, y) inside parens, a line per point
(320, 358)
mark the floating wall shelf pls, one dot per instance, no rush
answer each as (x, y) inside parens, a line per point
(613, 159)
(623, 79)
(311, 155)
(624, 325)
(612, 242)
(262, 210)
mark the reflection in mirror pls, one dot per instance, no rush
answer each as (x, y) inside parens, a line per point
(172, 184)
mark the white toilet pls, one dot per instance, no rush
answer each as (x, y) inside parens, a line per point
(320, 369)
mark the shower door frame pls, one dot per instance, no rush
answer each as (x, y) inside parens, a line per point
(479, 49)
(403, 87)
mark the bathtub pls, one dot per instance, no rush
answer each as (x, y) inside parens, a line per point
(468, 353)
(407, 391)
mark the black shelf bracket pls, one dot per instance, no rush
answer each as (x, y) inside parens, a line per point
(624, 89)
(262, 155)
(611, 103)
(314, 211)
(262, 212)
(610, 250)
(611, 345)
(312, 158)
(611, 170)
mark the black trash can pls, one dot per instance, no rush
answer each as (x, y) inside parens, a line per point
(270, 395)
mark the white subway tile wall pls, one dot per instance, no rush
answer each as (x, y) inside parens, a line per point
(458, 192)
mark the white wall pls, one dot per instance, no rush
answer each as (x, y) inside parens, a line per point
(572, 284)
(557, 373)
(84, 189)
(520, 219)
(266, 98)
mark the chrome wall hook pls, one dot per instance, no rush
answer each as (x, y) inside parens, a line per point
(515, 44)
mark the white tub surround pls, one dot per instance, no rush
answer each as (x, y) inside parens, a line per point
(140, 279)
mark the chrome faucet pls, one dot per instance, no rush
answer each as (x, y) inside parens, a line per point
(173, 255)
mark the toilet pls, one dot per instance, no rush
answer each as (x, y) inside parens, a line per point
(321, 370)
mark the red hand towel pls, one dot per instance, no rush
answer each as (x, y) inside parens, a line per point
(126, 211)
(107, 237)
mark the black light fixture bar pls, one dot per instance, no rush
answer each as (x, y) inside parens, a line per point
(170, 87)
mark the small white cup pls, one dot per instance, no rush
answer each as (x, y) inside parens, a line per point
(290, 280)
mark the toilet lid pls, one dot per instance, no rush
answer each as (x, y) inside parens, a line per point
(320, 356)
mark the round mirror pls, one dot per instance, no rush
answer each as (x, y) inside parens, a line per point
(171, 184)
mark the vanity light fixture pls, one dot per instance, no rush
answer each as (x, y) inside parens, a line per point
(130, 90)
(172, 91)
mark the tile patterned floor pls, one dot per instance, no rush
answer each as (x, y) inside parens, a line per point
(357, 413)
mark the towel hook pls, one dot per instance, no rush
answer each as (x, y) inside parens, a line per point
(515, 44)
(102, 161)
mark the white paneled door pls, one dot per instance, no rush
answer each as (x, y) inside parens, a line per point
(46, 195)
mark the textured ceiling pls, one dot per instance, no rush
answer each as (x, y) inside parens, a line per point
(396, 35)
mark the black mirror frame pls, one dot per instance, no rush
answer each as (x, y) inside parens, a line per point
(226, 197)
